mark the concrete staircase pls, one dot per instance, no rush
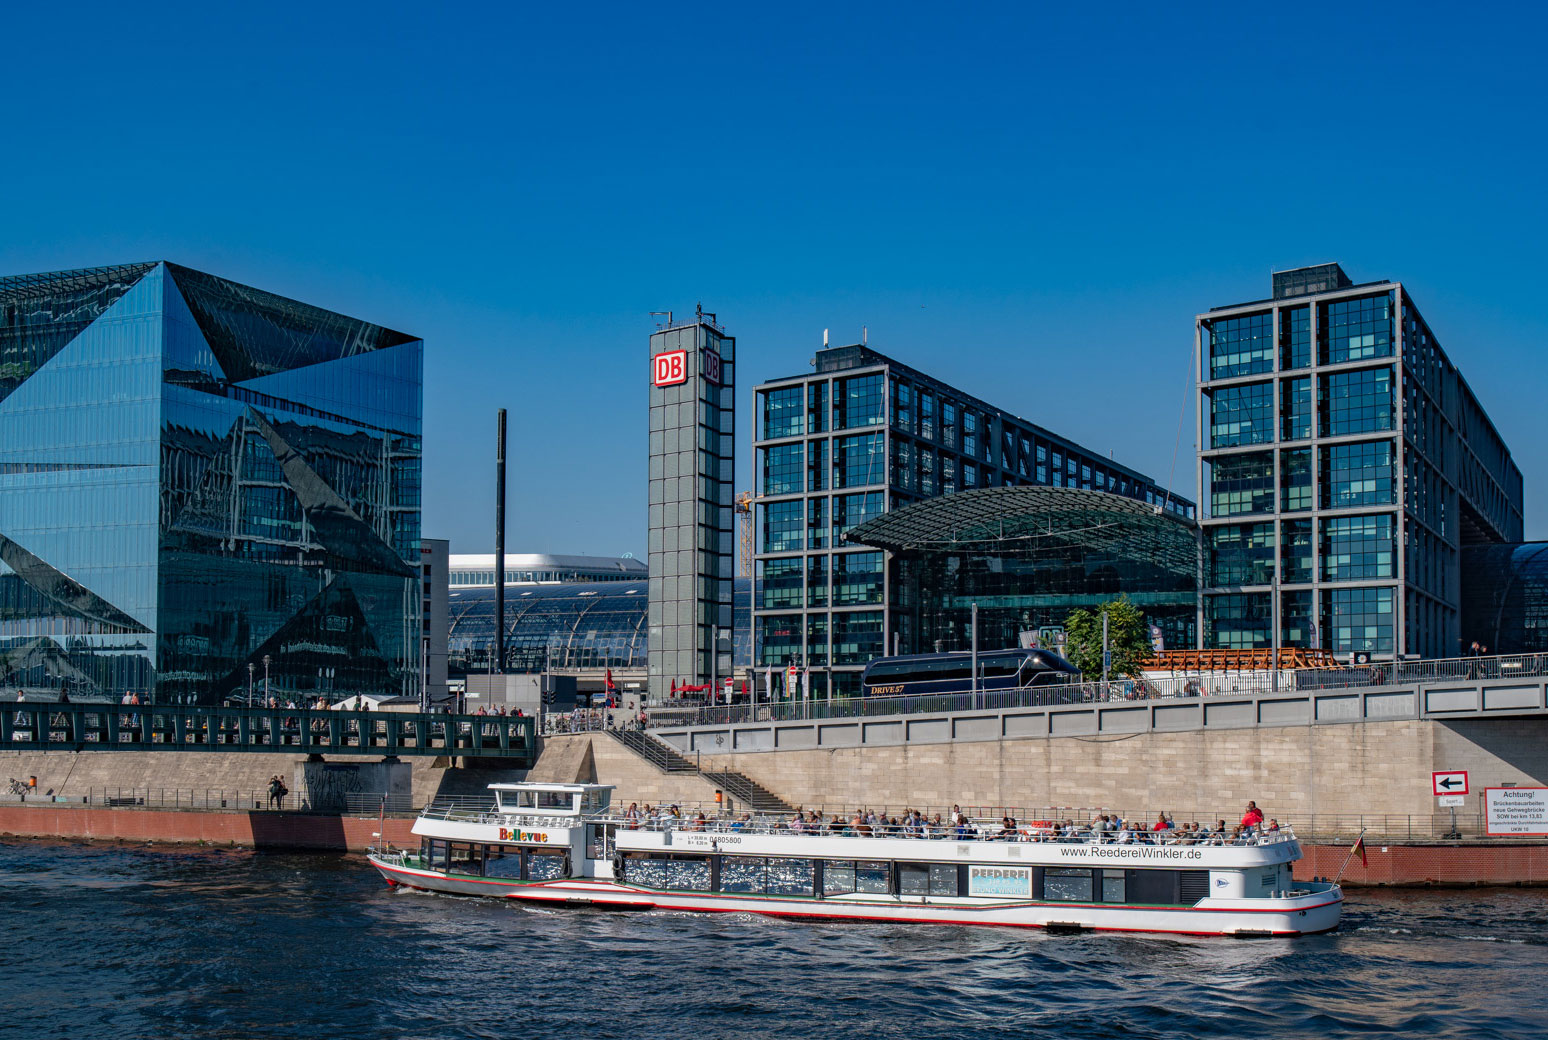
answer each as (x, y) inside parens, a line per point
(749, 793)
(742, 790)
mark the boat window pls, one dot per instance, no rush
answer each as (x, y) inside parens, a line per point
(526, 799)
(503, 861)
(913, 879)
(842, 876)
(943, 879)
(1067, 884)
(690, 873)
(641, 869)
(594, 802)
(548, 865)
(871, 876)
(789, 877)
(435, 854)
(1113, 887)
(743, 874)
(838, 877)
(555, 800)
(466, 859)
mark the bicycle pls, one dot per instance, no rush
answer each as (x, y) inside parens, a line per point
(18, 787)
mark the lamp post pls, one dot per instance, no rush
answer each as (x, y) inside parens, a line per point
(266, 693)
(250, 669)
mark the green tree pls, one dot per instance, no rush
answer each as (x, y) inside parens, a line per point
(1128, 638)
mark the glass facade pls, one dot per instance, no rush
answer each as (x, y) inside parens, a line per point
(570, 626)
(1241, 484)
(209, 489)
(1505, 600)
(1241, 554)
(1358, 475)
(1241, 346)
(1241, 415)
(1353, 330)
(1357, 402)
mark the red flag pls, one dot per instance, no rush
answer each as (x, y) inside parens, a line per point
(1359, 846)
(610, 680)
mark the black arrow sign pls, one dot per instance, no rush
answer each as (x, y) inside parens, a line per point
(1449, 783)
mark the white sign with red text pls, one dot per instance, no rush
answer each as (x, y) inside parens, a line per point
(669, 369)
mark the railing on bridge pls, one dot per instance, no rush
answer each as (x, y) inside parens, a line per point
(1195, 684)
(29, 726)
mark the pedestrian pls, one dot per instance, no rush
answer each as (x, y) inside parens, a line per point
(274, 790)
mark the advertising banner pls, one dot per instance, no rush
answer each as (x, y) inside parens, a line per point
(1000, 881)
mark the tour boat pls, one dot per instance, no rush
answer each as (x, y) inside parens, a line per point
(563, 844)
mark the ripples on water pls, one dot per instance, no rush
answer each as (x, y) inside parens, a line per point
(113, 941)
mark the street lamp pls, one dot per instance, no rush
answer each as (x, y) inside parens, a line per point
(266, 693)
(250, 668)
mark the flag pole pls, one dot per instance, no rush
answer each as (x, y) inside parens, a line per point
(1349, 856)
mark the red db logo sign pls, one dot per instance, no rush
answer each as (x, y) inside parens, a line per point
(712, 367)
(669, 369)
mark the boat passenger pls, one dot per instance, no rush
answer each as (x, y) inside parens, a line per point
(698, 822)
(1252, 818)
(632, 814)
(1273, 826)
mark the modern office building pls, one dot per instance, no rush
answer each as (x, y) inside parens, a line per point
(861, 435)
(471, 570)
(1028, 556)
(207, 491)
(691, 524)
(577, 628)
(1344, 464)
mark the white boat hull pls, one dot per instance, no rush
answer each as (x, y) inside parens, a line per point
(1316, 911)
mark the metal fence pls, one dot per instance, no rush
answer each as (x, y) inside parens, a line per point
(1179, 684)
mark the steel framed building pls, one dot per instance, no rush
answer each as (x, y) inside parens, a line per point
(861, 435)
(1344, 462)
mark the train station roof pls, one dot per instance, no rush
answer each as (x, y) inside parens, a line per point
(1032, 521)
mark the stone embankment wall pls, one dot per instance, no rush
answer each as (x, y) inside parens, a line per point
(1364, 768)
(596, 758)
(74, 774)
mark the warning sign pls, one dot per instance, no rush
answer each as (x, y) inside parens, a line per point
(1519, 811)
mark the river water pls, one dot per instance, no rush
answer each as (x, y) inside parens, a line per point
(168, 942)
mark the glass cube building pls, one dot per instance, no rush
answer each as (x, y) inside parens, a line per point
(856, 438)
(207, 489)
(1344, 465)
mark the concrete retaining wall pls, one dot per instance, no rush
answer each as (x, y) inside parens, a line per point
(1360, 768)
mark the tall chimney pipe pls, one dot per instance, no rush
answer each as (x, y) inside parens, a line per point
(499, 568)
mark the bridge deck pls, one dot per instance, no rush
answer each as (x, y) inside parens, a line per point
(27, 726)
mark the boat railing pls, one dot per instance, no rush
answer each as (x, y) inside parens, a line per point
(489, 814)
(975, 830)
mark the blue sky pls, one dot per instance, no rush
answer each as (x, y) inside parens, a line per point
(1029, 205)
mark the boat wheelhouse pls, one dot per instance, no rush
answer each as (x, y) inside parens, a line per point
(565, 844)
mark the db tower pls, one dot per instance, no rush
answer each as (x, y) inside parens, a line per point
(692, 506)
